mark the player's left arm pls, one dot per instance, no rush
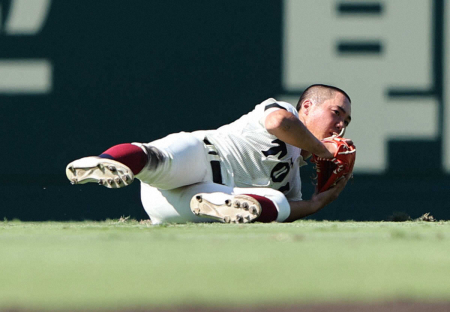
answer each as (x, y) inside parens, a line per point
(288, 128)
(303, 208)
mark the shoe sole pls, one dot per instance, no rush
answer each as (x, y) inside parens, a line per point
(235, 209)
(106, 172)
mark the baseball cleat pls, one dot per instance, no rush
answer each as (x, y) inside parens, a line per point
(226, 208)
(106, 172)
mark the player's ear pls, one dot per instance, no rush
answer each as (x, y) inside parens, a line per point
(306, 105)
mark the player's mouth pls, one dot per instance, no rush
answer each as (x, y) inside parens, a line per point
(341, 133)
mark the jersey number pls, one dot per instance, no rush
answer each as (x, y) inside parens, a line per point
(281, 170)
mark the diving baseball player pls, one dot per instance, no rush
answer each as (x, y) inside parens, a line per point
(248, 170)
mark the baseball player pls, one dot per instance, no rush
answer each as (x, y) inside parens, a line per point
(248, 170)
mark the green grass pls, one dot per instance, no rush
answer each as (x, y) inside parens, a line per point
(115, 264)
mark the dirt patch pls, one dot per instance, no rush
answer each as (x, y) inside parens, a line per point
(340, 307)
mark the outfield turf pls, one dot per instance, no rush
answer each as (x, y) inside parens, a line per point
(113, 264)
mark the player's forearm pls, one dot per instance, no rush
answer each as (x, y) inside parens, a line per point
(289, 129)
(303, 208)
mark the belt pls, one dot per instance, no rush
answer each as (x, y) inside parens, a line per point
(215, 164)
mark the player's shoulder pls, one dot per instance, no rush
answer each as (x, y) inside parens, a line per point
(273, 104)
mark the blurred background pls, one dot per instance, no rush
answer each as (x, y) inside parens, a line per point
(77, 77)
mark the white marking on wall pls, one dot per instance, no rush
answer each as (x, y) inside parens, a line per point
(26, 17)
(312, 30)
(25, 76)
(446, 91)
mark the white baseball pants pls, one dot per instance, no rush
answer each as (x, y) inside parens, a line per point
(166, 189)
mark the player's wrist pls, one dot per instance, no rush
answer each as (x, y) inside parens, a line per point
(316, 203)
(330, 150)
(324, 153)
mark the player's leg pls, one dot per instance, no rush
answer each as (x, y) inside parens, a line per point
(209, 202)
(172, 206)
(242, 205)
(182, 161)
(176, 160)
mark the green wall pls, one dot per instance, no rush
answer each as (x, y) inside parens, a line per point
(138, 70)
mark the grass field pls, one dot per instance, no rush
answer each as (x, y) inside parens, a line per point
(116, 264)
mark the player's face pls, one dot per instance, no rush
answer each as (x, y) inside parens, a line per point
(330, 117)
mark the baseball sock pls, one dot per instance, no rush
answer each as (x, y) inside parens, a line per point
(269, 212)
(128, 154)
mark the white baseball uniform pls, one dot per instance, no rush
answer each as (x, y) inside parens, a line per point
(239, 158)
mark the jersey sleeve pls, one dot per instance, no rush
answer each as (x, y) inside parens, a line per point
(271, 105)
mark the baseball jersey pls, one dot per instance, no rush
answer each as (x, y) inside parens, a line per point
(256, 158)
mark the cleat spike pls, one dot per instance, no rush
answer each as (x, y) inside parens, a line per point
(100, 182)
(253, 210)
(199, 198)
(196, 211)
(237, 204)
(245, 206)
(112, 168)
(228, 202)
(117, 180)
(227, 219)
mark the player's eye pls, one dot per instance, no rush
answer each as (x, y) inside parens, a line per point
(337, 112)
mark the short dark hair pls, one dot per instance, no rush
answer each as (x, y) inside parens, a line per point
(322, 92)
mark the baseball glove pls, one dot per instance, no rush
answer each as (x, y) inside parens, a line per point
(330, 171)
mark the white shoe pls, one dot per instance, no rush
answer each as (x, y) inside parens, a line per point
(106, 172)
(226, 208)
